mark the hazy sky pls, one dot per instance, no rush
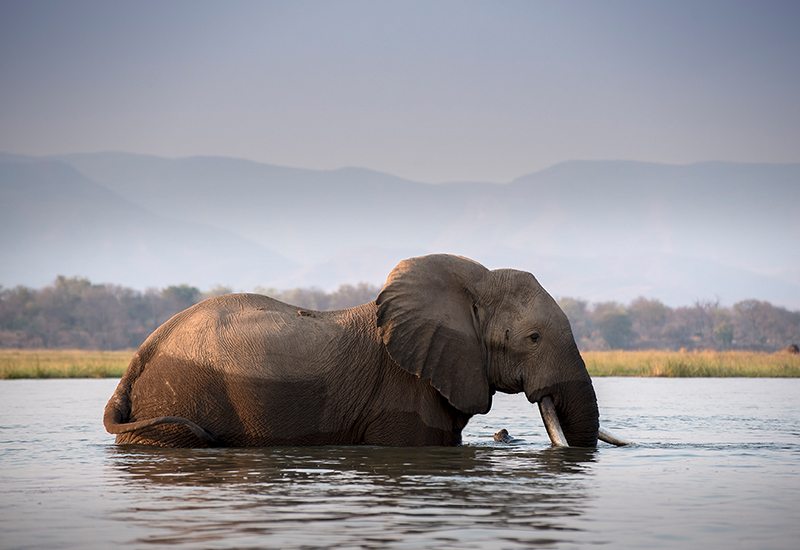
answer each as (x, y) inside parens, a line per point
(432, 91)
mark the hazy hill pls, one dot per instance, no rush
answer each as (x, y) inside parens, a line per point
(53, 220)
(598, 230)
(305, 215)
(737, 213)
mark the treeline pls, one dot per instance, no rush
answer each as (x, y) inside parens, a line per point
(73, 313)
(648, 324)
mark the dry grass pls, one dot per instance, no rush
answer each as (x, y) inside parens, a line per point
(112, 364)
(680, 364)
(63, 363)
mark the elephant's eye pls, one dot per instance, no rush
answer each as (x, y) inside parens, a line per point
(535, 337)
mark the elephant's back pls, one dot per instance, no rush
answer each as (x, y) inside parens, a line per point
(245, 334)
(236, 364)
(243, 301)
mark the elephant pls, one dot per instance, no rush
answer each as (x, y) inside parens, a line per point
(408, 369)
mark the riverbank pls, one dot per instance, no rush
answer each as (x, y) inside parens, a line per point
(700, 364)
(669, 364)
(47, 363)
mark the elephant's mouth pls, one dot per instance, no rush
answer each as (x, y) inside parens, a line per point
(556, 434)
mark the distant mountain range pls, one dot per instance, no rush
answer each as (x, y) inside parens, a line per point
(597, 230)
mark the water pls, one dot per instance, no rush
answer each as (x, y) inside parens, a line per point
(715, 465)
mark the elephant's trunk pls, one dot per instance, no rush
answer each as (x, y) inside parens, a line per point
(569, 412)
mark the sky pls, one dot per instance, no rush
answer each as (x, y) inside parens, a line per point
(430, 91)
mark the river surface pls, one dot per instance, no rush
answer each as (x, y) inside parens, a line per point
(716, 464)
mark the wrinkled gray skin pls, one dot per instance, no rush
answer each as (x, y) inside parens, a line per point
(410, 368)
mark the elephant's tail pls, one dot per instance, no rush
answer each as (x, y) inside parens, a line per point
(114, 426)
(118, 411)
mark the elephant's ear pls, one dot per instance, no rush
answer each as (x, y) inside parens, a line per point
(426, 321)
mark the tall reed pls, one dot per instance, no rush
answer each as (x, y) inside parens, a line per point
(63, 363)
(112, 364)
(681, 364)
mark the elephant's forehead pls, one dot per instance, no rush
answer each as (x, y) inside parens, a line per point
(510, 289)
(519, 295)
(512, 281)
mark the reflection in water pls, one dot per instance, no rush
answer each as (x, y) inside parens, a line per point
(345, 496)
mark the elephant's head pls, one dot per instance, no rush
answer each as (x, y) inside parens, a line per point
(473, 331)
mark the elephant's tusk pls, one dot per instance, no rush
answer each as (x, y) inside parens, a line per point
(551, 423)
(608, 437)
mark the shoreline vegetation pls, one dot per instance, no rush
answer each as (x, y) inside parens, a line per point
(693, 364)
(47, 363)
(74, 313)
(63, 363)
